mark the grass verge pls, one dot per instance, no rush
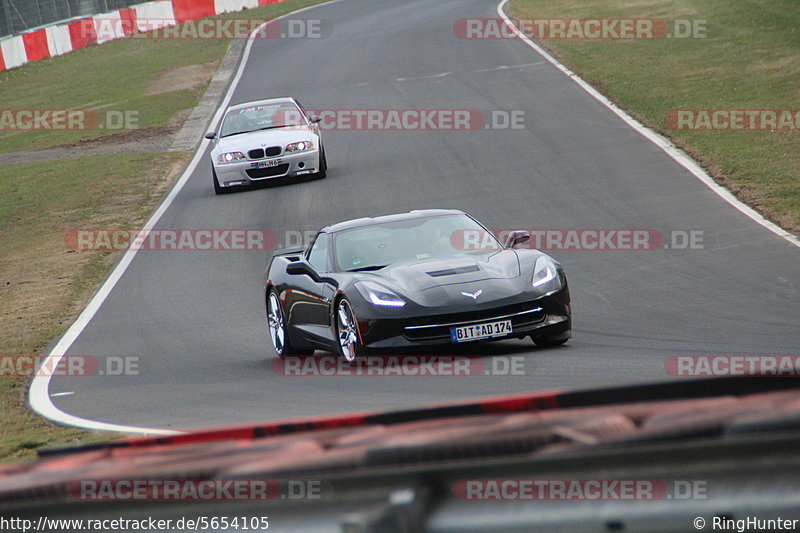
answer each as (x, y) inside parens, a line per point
(748, 59)
(43, 285)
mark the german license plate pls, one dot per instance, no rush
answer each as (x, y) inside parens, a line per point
(480, 331)
(266, 164)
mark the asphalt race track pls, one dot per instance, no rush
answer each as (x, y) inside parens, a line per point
(196, 319)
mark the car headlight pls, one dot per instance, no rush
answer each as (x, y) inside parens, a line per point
(230, 157)
(302, 146)
(545, 273)
(378, 295)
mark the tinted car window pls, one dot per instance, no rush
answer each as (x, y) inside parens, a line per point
(261, 116)
(318, 256)
(407, 240)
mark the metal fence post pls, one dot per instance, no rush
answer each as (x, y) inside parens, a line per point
(9, 29)
(39, 12)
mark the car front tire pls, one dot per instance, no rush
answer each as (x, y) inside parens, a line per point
(349, 342)
(323, 165)
(217, 188)
(278, 331)
(544, 342)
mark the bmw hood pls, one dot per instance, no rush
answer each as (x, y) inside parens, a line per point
(265, 138)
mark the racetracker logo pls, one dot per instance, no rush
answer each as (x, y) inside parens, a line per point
(402, 119)
(170, 240)
(733, 119)
(581, 239)
(195, 490)
(397, 366)
(25, 366)
(67, 119)
(578, 489)
(590, 29)
(207, 29)
(173, 490)
(733, 365)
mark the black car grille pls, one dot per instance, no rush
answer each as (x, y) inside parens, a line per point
(257, 173)
(438, 326)
(260, 153)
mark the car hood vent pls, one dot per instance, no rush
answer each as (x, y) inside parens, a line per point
(453, 271)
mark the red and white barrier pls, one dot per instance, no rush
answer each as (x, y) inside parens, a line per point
(108, 27)
(154, 15)
(192, 9)
(13, 52)
(35, 45)
(65, 36)
(81, 33)
(229, 6)
(58, 40)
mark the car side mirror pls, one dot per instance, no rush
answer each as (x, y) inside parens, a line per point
(301, 268)
(315, 120)
(210, 135)
(517, 237)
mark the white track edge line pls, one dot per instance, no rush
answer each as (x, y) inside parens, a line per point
(678, 155)
(38, 393)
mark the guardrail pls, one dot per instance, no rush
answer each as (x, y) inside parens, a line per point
(17, 16)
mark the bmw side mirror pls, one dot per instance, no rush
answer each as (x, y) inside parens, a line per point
(315, 120)
(517, 237)
(210, 135)
(301, 268)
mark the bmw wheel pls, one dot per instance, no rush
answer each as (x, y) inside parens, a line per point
(323, 165)
(217, 188)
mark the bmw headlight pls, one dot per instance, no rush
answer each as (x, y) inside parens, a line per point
(545, 273)
(378, 295)
(302, 146)
(230, 157)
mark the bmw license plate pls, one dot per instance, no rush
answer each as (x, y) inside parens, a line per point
(480, 331)
(266, 164)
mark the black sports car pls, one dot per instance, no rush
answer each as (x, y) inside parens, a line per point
(406, 280)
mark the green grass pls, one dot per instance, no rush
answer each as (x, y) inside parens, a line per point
(43, 285)
(750, 59)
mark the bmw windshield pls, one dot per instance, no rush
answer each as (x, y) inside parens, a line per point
(261, 117)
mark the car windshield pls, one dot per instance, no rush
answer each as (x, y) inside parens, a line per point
(418, 239)
(260, 117)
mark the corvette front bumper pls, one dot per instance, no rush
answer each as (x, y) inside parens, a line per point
(546, 317)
